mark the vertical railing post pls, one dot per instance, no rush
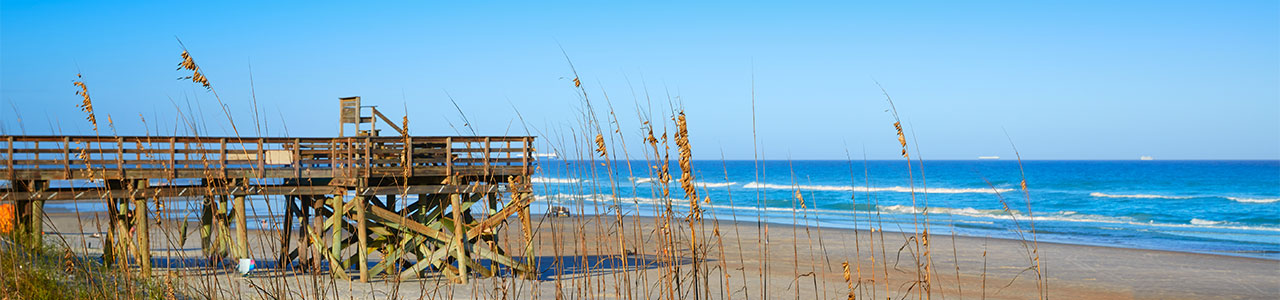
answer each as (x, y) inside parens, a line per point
(173, 158)
(333, 158)
(262, 160)
(351, 158)
(297, 158)
(66, 157)
(222, 157)
(486, 158)
(119, 156)
(12, 172)
(528, 151)
(448, 158)
(408, 156)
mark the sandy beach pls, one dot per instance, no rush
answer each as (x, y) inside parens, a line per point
(579, 257)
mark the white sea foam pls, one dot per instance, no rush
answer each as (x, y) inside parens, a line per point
(642, 180)
(1138, 196)
(997, 214)
(899, 189)
(1196, 221)
(715, 184)
(1147, 196)
(1254, 200)
(553, 180)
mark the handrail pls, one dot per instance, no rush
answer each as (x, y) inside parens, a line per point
(37, 157)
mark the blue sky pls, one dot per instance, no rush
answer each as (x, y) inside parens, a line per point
(1067, 80)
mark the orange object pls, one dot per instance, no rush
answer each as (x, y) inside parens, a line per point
(6, 218)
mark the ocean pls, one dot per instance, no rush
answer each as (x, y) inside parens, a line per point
(1218, 207)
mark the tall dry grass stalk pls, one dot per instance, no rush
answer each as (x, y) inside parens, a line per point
(86, 104)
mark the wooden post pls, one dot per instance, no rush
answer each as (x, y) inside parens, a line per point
(122, 232)
(37, 212)
(317, 204)
(526, 226)
(108, 245)
(141, 239)
(459, 237)
(222, 157)
(173, 158)
(10, 161)
(140, 220)
(408, 155)
(362, 235)
(119, 157)
(207, 226)
(335, 224)
(304, 220)
(66, 157)
(297, 159)
(286, 230)
(242, 232)
(526, 219)
(221, 232)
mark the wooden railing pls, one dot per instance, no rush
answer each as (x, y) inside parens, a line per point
(150, 157)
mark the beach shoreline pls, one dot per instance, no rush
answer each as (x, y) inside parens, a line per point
(804, 261)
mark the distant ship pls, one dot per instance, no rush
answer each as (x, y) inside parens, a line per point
(988, 157)
(551, 155)
(1144, 157)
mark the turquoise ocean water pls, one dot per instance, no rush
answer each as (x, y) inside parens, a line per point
(1222, 207)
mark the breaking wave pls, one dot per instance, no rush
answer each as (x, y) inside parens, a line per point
(899, 189)
(1138, 196)
(714, 184)
(1254, 200)
(553, 180)
(1146, 196)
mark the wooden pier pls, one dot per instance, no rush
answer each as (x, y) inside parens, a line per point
(340, 193)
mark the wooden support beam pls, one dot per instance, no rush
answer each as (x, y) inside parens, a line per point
(304, 220)
(142, 230)
(362, 233)
(286, 230)
(33, 210)
(317, 228)
(207, 227)
(223, 221)
(526, 225)
(393, 124)
(458, 236)
(109, 251)
(335, 266)
(242, 230)
(121, 251)
(335, 237)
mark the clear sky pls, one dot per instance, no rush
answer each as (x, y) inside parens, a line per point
(1067, 80)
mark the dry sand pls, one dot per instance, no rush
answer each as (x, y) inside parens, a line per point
(587, 249)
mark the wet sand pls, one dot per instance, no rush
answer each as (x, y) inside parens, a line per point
(581, 257)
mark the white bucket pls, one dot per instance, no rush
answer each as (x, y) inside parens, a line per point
(245, 265)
